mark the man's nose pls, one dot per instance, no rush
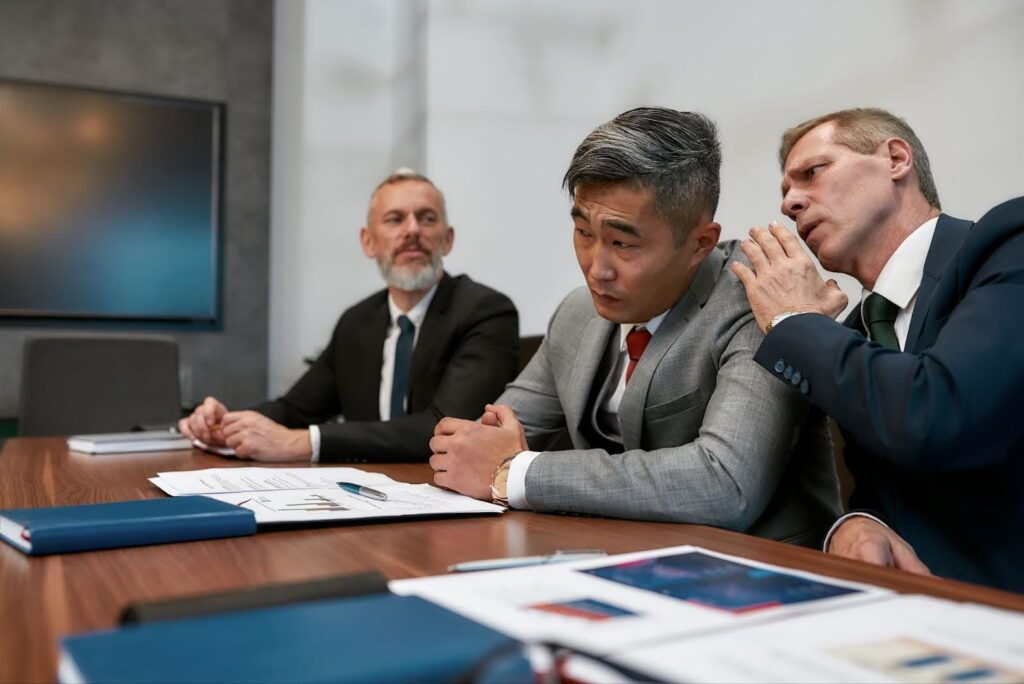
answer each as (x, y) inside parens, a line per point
(601, 267)
(412, 226)
(793, 202)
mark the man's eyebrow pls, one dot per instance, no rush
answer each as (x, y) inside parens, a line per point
(576, 212)
(625, 227)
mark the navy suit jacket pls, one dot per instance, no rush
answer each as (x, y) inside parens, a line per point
(466, 352)
(934, 434)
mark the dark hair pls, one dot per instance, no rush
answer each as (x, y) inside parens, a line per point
(674, 154)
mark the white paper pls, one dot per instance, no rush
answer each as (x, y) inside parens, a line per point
(296, 495)
(255, 479)
(568, 603)
(899, 639)
(334, 503)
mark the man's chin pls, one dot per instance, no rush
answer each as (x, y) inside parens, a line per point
(413, 279)
(613, 310)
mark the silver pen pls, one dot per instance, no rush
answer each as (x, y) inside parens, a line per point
(522, 561)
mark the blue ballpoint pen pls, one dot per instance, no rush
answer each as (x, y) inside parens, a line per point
(369, 493)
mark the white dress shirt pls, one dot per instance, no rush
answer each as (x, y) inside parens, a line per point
(387, 369)
(900, 278)
(521, 463)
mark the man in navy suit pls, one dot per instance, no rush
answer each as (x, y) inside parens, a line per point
(926, 377)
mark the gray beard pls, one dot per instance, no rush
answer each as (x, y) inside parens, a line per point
(422, 278)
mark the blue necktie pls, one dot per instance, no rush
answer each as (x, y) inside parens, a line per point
(403, 359)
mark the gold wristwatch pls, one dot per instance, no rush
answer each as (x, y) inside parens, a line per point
(499, 482)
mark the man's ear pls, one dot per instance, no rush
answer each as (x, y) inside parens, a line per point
(449, 240)
(707, 235)
(901, 158)
(367, 243)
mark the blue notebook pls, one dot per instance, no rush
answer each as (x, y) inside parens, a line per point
(378, 638)
(61, 529)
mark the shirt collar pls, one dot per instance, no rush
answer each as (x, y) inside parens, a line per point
(901, 276)
(651, 326)
(417, 313)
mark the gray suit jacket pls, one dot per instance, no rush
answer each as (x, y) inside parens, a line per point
(710, 437)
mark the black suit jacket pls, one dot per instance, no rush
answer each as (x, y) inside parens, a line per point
(465, 354)
(934, 434)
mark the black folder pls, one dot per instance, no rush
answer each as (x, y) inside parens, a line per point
(265, 596)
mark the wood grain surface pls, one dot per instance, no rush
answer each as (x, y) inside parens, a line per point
(46, 597)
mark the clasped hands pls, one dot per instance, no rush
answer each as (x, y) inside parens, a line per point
(783, 278)
(467, 453)
(252, 435)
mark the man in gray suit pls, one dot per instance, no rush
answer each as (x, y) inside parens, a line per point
(649, 370)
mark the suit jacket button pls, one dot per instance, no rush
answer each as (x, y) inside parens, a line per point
(780, 365)
(788, 373)
(804, 387)
(796, 378)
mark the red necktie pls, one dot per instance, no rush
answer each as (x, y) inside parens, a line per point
(636, 342)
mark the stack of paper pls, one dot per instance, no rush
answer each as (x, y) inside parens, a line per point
(288, 495)
(126, 442)
(606, 604)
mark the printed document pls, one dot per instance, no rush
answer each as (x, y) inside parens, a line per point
(297, 495)
(900, 639)
(602, 605)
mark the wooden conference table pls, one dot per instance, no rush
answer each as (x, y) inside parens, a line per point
(45, 597)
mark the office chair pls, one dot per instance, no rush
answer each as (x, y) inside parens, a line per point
(88, 384)
(527, 348)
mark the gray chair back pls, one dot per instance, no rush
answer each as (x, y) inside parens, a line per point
(527, 348)
(88, 384)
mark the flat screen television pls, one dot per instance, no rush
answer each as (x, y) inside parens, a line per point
(110, 206)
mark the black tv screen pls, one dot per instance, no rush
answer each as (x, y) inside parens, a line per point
(109, 205)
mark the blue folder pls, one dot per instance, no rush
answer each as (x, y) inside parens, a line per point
(61, 529)
(378, 638)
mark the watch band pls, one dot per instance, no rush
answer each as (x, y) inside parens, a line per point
(499, 482)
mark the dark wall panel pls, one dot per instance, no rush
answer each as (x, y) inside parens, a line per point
(205, 49)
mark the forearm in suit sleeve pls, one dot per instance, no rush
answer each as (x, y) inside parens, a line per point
(484, 360)
(313, 398)
(929, 410)
(724, 477)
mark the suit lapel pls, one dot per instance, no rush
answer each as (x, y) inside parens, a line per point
(591, 350)
(371, 346)
(431, 335)
(949, 236)
(634, 399)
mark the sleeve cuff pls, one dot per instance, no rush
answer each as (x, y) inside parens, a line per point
(314, 441)
(837, 523)
(517, 479)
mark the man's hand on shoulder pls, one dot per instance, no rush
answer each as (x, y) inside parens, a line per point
(253, 435)
(467, 453)
(784, 279)
(867, 540)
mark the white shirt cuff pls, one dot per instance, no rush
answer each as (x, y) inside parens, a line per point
(837, 523)
(314, 442)
(517, 479)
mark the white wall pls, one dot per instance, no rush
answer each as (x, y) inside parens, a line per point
(348, 108)
(512, 88)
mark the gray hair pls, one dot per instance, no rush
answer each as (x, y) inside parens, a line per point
(863, 130)
(674, 154)
(401, 175)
